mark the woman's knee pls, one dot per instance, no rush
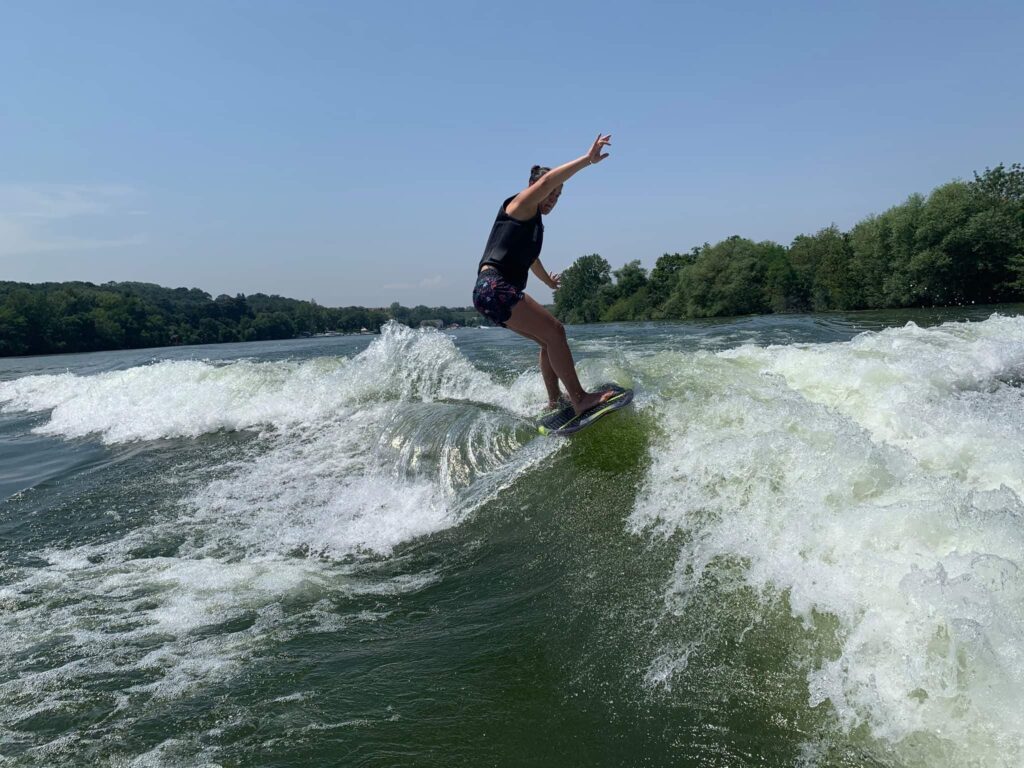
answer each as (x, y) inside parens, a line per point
(554, 336)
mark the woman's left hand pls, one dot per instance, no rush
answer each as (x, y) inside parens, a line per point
(595, 156)
(555, 280)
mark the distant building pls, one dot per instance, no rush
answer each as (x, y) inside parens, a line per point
(439, 324)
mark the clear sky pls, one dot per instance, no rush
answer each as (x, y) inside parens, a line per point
(356, 153)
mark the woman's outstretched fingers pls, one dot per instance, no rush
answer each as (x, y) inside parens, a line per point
(601, 141)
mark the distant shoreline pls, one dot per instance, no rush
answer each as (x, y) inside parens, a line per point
(962, 245)
(75, 317)
(941, 314)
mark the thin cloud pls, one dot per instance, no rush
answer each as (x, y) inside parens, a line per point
(428, 283)
(30, 212)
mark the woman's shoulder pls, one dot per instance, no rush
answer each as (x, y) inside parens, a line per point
(504, 214)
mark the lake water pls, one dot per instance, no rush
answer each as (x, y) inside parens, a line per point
(802, 546)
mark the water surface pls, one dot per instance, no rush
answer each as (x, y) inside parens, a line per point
(802, 546)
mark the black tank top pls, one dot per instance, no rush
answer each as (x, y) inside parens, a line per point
(513, 246)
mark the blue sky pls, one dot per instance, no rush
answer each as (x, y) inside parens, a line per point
(356, 153)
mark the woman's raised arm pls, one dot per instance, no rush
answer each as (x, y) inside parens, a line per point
(524, 205)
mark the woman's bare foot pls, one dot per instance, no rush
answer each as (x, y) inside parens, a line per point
(590, 399)
(559, 403)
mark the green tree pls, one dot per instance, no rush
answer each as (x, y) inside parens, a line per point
(627, 299)
(108, 329)
(208, 331)
(233, 308)
(579, 299)
(13, 332)
(665, 275)
(903, 223)
(727, 278)
(821, 265)
(998, 229)
(630, 278)
(869, 260)
(781, 287)
(635, 306)
(1001, 183)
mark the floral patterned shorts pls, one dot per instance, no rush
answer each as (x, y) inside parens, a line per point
(494, 296)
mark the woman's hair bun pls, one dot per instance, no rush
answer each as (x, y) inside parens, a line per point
(537, 171)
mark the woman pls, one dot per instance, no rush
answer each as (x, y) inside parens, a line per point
(512, 250)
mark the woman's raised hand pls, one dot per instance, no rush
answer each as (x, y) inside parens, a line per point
(594, 155)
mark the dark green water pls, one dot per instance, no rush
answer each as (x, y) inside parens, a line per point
(801, 547)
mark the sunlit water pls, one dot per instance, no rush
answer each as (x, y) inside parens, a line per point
(801, 547)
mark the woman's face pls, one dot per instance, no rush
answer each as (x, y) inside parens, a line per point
(549, 202)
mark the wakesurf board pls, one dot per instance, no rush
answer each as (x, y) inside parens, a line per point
(565, 421)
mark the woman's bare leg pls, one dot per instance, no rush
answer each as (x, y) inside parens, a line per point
(530, 319)
(550, 379)
(547, 373)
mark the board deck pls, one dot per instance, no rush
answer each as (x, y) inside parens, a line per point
(566, 422)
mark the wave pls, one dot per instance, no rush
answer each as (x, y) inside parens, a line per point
(170, 399)
(879, 482)
(872, 489)
(267, 538)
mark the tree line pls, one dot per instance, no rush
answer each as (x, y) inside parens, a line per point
(45, 318)
(962, 244)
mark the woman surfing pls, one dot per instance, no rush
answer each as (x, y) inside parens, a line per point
(513, 250)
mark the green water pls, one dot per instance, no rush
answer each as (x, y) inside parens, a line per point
(800, 547)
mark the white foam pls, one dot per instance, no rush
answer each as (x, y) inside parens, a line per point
(936, 393)
(353, 458)
(177, 398)
(879, 481)
(347, 463)
(314, 498)
(161, 623)
(189, 398)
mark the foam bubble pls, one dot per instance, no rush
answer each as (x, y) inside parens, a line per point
(941, 393)
(162, 626)
(878, 481)
(353, 458)
(178, 398)
(189, 398)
